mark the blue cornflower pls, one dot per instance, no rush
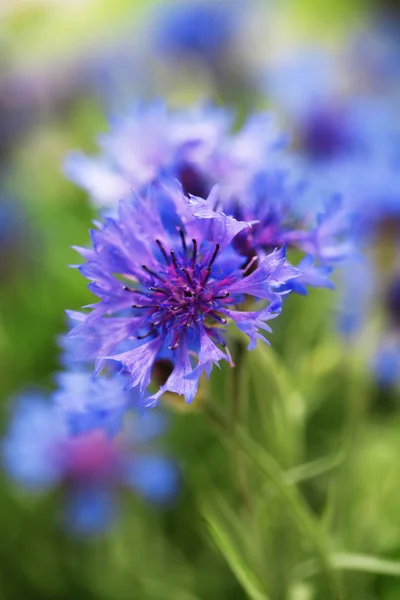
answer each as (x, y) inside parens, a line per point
(386, 361)
(330, 125)
(387, 357)
(147, 144)
(374, 53)
(89, 403)
(204, 30)
(41, 451)
(258, 180)
(168, 276)
(260, 184)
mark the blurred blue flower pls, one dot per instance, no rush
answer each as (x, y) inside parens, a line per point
(203, 29)
(147, 144)
(356, 295)
(166, 271)
(386, 363)
(259, 181)
(374, 53)
(387, 358)
(89, 403)
(348, 141)
(40, 450)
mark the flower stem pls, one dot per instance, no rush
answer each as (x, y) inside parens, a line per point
(238, 406)
(297, 508)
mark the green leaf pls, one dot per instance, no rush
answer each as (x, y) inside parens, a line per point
(343, 561)
(232, 539)
(314, 468)
(281, 407)
(297, 509)
(365, 563)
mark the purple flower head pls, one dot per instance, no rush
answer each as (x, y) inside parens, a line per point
(39, 452)
(326, 133)
(374, 52)
(386, 362)
(393, 301)
(258, 182)
(167, 271)
(202, 30)
(331, 123)
(261, 184)
(150, 143)
(90, 403)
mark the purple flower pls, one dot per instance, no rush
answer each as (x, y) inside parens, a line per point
(386, 361)
(204, 30)
(149, 143)
(257, 178)
(167, 271)
(44, 447)
(89, 403)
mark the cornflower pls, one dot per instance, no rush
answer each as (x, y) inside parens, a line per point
(169, 278)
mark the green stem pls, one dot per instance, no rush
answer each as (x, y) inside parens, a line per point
(296, 506)
(238, 406)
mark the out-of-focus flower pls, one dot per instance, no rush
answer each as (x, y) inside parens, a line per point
(387, 358)
(41, 450)
(356, 295)
(386, 363)
(203, 30)
(169, 278)
(309, 90)
(208, 43)
(259, 182)
(374, 52)
(89, 403)
(148, 144)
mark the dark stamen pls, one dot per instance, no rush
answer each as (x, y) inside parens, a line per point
(159, 244)
(175, 340)
(187, 275)
(138, 293)
(159, 290)
(194, 255)
(214, 256)
(221, 296)
(217, 318)
(150, 272)
(183, 239)
(144, 305)
(210, 264)
(142, 337)
(174, 259)
(249, 265)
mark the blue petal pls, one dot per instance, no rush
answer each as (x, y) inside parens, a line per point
(90, 510)
(156, 478)
(31, 445)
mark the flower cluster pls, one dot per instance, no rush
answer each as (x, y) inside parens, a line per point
(169, 279)
(199, 219)
(75, 439)
(257, 178)
(197, 222)
(350, 138)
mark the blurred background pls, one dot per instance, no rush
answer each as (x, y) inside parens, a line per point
(326, 396)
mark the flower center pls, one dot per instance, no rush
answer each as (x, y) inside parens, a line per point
(181, 292)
